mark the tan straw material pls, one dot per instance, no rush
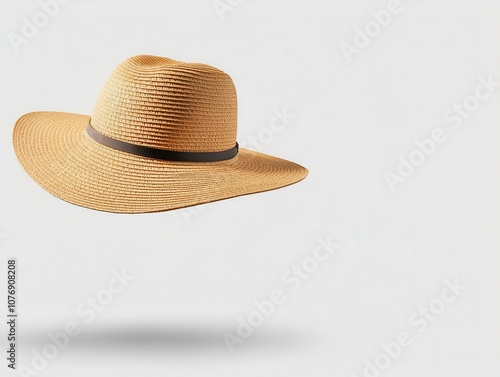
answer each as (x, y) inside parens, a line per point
(156, 103)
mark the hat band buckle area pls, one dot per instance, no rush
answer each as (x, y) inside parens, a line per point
(160, 154)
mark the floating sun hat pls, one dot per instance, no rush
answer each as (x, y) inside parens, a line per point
(162, 137)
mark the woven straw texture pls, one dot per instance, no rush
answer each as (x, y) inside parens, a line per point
(155, 102)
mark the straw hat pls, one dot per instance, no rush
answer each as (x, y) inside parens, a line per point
(162, 136)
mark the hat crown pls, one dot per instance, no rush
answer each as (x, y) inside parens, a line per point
(166, 104)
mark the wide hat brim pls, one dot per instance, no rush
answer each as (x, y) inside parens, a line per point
(58, 154)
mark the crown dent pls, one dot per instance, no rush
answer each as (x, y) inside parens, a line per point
(167, 104)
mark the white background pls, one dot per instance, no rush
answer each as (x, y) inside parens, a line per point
(196, 274)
